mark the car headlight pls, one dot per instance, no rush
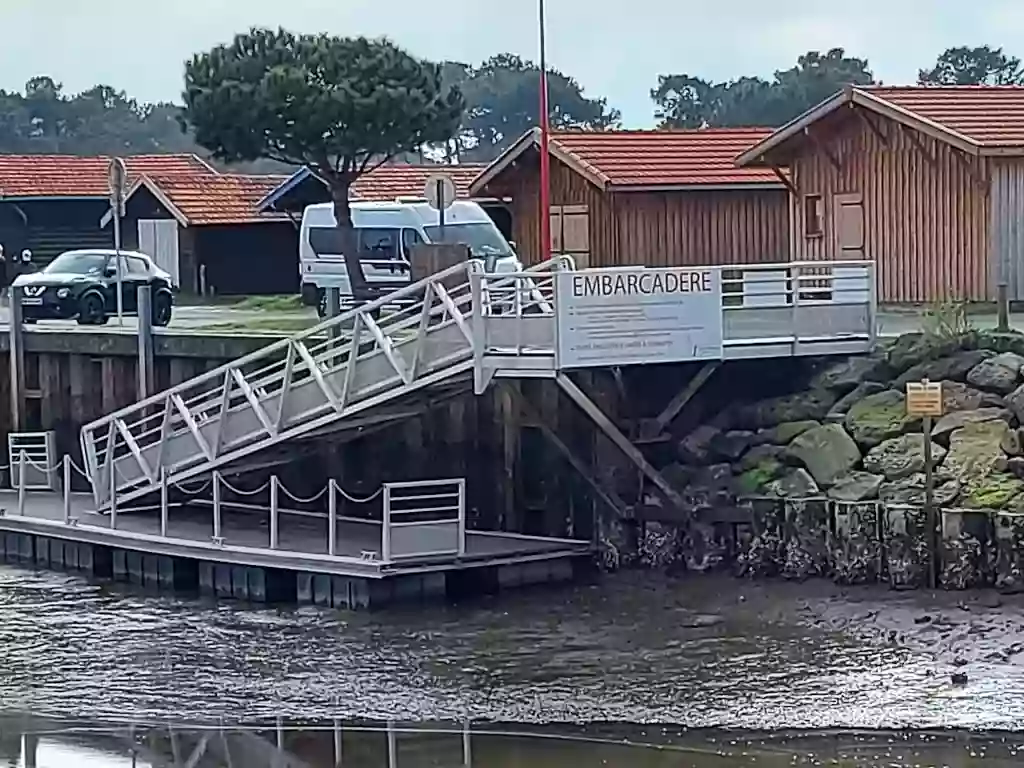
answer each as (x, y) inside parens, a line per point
(63, 293)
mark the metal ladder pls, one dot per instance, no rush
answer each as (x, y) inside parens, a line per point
(317, 381)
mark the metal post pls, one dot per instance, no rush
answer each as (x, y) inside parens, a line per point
(440, 209)
(273, 511)
(332, 517)
(333, 298)
(338, 743)
(545, 132)
(164, 507)
(462, 517)
(929, 505)
(67, 488)
(21, 484)
(216, 507)
(467, 745)
(17, 362)
(146, 377)
(113, 487)
(385, 531)
(117, 262)
(392, 746)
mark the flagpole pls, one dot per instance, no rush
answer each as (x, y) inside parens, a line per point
(545, 131)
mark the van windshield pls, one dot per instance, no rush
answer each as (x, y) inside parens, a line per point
(483, 238)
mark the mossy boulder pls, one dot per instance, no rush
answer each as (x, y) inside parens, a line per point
(958, 419)
(910, 490)
(957, 396)
(976, 452)
(901, 456)
(762, 455)
(756, 478)
(953, 367)
(799, 406)
(856, 486)
(827, 452)
(784, 433)
(878, 417)
(845, 375)
(796, 483)
(997, 490)
(997, 374)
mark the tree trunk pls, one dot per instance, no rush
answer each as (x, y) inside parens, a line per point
(349, 242)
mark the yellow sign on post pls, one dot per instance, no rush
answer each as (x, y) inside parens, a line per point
(924, 398)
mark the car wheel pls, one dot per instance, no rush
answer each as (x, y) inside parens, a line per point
(321, 305)
(91, 310)
(162, 309)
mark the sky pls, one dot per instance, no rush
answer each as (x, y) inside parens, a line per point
(614, 48)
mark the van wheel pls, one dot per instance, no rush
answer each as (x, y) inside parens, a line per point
(321, 305)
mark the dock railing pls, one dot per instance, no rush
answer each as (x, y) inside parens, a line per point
(424, 518)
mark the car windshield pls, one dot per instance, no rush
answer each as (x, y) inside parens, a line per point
(77, 264)
(484, 238)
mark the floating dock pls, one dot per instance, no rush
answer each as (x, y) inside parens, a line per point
(417, 549)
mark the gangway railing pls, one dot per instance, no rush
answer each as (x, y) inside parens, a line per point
(345, 365)
(424, 518)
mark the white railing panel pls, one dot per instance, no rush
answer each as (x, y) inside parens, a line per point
(424, 519)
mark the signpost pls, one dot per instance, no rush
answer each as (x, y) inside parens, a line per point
(440, 193)
(924, 399)
(117, 176)
(638, 315)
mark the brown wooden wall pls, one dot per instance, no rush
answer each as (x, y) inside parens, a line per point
(657, 228)
(925, 219)
(701, 228)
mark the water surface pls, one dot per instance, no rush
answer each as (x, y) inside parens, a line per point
(633, 648)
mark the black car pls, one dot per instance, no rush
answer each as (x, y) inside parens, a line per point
(83, 285)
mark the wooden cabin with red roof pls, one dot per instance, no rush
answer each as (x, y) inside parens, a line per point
(926, 181)
(53, 203)
(657, 198)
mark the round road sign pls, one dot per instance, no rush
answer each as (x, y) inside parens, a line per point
(439, 191)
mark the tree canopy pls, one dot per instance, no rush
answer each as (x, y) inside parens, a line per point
(687, 101)
(341, 106)
(973, 66)
(503, 102)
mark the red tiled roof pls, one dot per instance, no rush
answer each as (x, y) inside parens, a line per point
(205, 199)
(665, 158)
(990, 115)
(73, 176)
(393, 181)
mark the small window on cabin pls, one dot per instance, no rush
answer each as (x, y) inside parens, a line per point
(814, 216)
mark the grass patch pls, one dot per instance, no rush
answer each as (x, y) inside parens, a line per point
(283, 325)
(290, 303)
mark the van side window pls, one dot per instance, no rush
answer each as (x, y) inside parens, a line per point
(325, 241)
(410, 239)
(379, 244)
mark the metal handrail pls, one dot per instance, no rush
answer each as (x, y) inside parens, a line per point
(257, 381)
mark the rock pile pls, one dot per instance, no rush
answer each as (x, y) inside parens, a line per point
(846, 433)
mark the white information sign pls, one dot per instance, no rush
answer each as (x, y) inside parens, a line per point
(635, 315)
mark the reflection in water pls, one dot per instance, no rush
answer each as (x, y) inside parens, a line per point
(27, 742)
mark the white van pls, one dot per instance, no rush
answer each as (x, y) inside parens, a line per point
(386, 232)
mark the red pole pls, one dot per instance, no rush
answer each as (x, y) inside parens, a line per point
(545, 157)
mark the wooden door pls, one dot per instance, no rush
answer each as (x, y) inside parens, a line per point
(848, 218)
(158, 239)
(570, 233)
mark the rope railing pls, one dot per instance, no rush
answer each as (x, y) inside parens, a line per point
(428, 497)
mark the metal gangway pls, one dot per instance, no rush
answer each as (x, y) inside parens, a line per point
(461, 327)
